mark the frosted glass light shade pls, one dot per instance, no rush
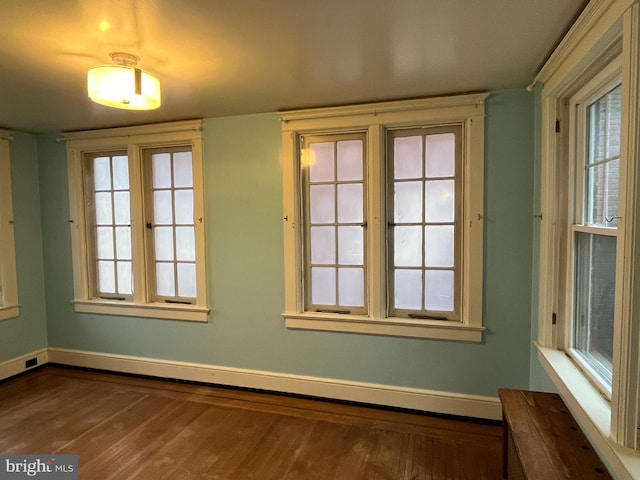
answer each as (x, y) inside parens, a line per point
(125, 87)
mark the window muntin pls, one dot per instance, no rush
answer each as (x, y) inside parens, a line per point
(595, 234)
(170, 220)
(334, 215)
(425, 210)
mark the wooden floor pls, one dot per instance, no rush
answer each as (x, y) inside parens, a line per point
(126, 428)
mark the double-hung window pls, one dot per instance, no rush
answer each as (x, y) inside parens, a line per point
(137, 221)
(594, 231)
(383, 218)
(589, 322)
(8, 279)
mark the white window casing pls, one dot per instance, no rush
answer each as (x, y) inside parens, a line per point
(604, 41)
(135, 141)
(9, 307)
(374, 120)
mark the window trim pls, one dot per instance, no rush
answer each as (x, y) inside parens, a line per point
(9, 307)
(606, 29)
(134, 140)
(374, 119)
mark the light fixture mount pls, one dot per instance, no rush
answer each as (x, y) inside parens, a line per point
(125, 59)
(123, 85)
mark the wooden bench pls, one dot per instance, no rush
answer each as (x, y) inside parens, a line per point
(543, 441)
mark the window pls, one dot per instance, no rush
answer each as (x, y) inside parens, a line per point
(424, 232)
(137, 221)
(8, 281)
(383, 218)
(333, 178)
(594, 232)
(588, 320)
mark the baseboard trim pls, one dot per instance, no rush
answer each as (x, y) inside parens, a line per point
(15, 366)
(475, 406)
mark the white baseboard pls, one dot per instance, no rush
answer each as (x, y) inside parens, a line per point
(14, 366)
(402, 397)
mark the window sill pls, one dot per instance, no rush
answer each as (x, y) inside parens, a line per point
(591, 409)
(9, 311)
(162, 311)
(396, 327)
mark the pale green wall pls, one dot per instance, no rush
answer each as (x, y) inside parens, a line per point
(27, 332)
(243, 194)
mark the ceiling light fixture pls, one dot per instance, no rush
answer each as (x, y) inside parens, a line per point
(123, 85)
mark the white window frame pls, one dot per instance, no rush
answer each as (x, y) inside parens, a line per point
(135, 140)
(605, 30)
(9, 307)
(374, 119)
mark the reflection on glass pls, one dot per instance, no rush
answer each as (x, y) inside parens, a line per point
(321, 162)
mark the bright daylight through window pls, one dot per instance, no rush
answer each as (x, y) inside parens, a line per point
(138, 228)
(383, 218)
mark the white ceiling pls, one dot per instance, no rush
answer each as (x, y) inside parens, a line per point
(229, 57)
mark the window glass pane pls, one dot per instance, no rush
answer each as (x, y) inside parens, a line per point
(104, 238)
(187, 280)
(123, 243)
(407, 291)
(101, 173)
(120, 172)
(605, 117)
(182, 170)
(594, 300)
(163, 243)
(438, 290)
(407, 202)
(350, 246)
(407, 157)
(407, 246)
(323, 245)
(602, 194)
(104, 213)
(185, 244)
(122, 208)
(165, 280)
(162, 207)
(351, 287)
(184, 207)
(125, 279)
(349, 160)
(440, 201)
(440, 155)
(322, 203)
(106, 277)
(350, 203)
(438, 246)
(323, 286)
(321, 162)
(161, 167)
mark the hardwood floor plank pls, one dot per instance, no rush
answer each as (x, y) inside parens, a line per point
(129, 428)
